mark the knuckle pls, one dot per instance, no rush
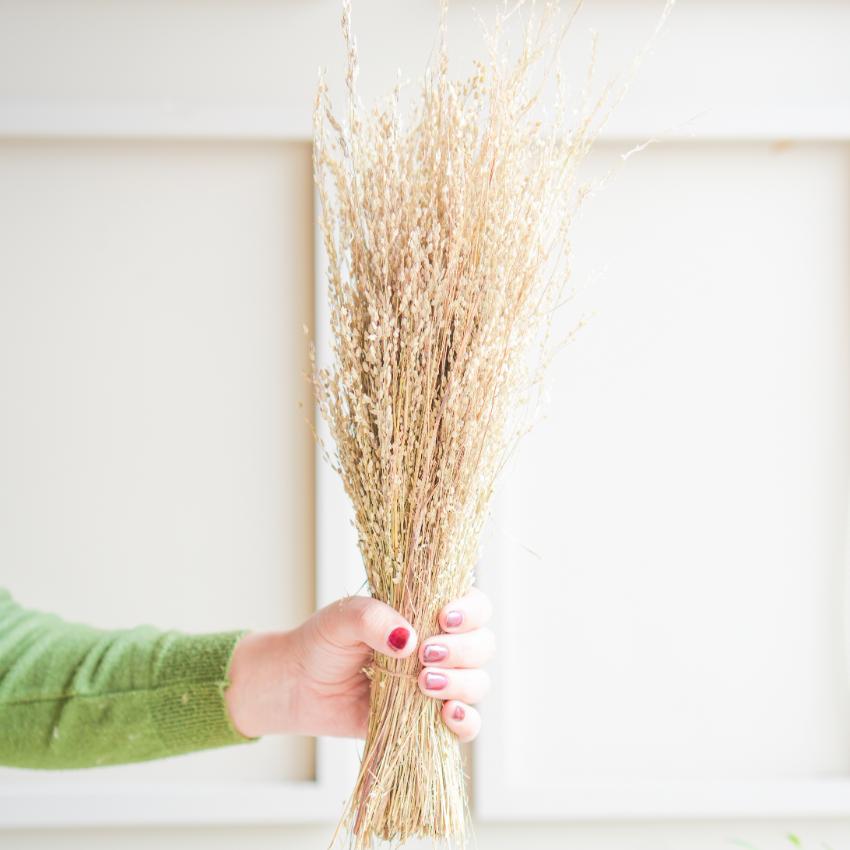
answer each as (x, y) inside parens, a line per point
(363, 616)
(352, 605)
(367, 616)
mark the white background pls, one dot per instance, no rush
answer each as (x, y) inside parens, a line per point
(685, 501)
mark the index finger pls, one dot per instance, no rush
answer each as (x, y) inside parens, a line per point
(466, 613)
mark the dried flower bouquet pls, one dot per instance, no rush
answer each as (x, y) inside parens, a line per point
(447, 237)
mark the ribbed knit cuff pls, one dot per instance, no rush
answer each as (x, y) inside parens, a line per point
(189, 709)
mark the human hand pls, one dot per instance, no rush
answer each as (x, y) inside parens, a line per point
(310, 680)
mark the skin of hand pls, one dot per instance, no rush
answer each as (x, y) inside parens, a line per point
(310, 680)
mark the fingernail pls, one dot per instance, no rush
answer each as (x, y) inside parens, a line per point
(458, 713)
(398, 638)
(435, 681)
(454, 618)
(434, 652)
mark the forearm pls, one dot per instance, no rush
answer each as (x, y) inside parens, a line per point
(263, 695)
(75, 696)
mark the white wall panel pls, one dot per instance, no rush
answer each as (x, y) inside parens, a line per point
(682, 616)
(155, 464)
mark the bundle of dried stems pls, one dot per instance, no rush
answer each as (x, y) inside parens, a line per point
(448, 244)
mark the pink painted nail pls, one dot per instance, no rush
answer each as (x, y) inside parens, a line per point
(398, 637)
(434, 652)
(453, 619)
(458, 713)
(435, 681)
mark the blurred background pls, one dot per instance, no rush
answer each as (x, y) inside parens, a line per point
(667, 554)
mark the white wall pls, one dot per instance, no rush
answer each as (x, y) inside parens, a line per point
(685, 501)
(685, 498)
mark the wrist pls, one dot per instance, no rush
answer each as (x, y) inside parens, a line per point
(261, 695)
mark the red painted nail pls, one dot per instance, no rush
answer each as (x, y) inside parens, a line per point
(458, 713)
(434, 652)
(454, 619)
(435, 681)
(398, 638)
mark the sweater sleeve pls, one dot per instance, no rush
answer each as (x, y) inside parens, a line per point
(75, 696)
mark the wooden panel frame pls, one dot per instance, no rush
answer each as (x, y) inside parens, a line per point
(57, 804)
(497, 799)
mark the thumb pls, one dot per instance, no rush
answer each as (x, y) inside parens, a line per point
(362, 619)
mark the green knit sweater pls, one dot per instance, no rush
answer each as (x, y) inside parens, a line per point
(75, 696)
